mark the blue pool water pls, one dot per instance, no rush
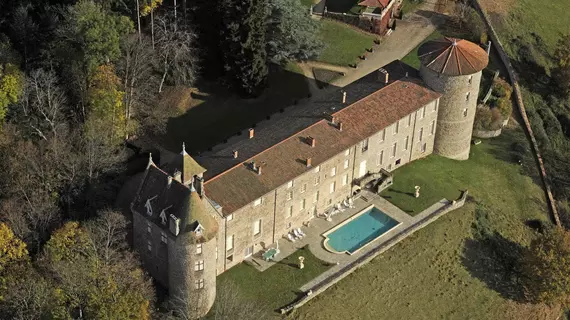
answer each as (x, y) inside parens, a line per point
(358, 232)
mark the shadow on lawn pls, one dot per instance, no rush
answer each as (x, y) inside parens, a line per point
(222, 114)
(495, 261)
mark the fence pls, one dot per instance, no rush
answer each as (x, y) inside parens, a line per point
(519, 101)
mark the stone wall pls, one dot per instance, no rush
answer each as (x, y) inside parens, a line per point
(485, 134)
(274, 210)
(453, 136)
(520, 104)
(364, 259)
(366, 24)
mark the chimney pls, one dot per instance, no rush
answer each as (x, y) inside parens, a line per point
(251, 133)
(344, 97)
(200, 186)
(333, 119)
(235, 153)
(174, 225)
(309, 162)
(339, 126)
(312, 141)
(259, 170)
(406, 74)
(383, 75)
(253, 166)
(169, 181)
(178, 176)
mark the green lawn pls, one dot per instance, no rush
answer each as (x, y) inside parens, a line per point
(216, 114)
(412, 57)
(343, 44)
(436, 273)
(277, 286)
(409, 6)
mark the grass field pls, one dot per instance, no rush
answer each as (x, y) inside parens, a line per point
(277, 286)
(439, 272)
(412, 57)
(215, 114)
(343, 44)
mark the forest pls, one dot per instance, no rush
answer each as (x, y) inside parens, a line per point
(79, 80)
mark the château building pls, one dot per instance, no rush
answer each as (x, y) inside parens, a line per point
(196, 217)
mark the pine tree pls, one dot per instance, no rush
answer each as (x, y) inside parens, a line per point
(244, 44)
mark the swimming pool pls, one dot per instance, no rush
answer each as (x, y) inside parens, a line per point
(357, 231)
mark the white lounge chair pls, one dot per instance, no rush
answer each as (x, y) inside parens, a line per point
(345, 204)
(297, 234)
(351, 202)
(301, 232)
(290, 237)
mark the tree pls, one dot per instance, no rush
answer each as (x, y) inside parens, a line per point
(291, 33)
(106, 101)
(149, 7)
(95, 32)
(547, 269)
(13, 255)
(244, 45)
(11, 86)
(176, 52)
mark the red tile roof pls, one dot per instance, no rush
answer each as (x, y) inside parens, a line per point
(453, 57)
(285, 160)
(374, 3)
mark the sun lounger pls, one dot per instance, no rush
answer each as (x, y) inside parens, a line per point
(301, 232)
(290, 237)
(297, 234)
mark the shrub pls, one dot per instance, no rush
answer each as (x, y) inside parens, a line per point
(483, 118)
(502, 88)
(505, 107)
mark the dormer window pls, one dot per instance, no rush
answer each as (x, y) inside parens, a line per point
(163, 217)
(199, 229)
(148, 206)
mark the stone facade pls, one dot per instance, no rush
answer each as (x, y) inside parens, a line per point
(298, 201)
(457, 109)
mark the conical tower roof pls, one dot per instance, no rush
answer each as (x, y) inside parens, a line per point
(453, 57)
(186, 165)
(197, 224)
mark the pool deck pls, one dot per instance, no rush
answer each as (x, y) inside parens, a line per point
(318, 226)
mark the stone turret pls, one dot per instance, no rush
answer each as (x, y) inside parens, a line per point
(453, 67)
(192, 257)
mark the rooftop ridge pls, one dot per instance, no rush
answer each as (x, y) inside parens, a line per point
(299, 132)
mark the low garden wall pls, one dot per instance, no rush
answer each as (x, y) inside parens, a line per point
(519, 101)
(367, 25)
(485, 134)
(367, 257)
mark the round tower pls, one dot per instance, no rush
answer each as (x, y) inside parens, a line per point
(453, 68)
(192, 258)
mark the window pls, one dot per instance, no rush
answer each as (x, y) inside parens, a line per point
(347, 152)
(467, 96)
(345, 180)
(396, 127)
(290, 184)
(432, 128)
(149, 245)
(230, 258)
(230, 217)
(333, 171)
(362, 170)
(230, 243)
(317, 180)
(303, 188)
(163, 237)
(316, 198)
(383, 135)
(381, 158)
(398, 161)
(346, 163)
(199, 248)
(257, 202)
(290, 212)
(199, 265)
(470, 81)
(409, 120)
(303, 203)
(199, 283)
(423, 112)
(257, 227)
(317, 169)
(248, 251)
(435, 105)
(465, 112)
(394, 147)
(424, 147)
(406, 141)
(421, 134)
(365, 145)
(332, 187)
(289, 195)
(148, 227)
